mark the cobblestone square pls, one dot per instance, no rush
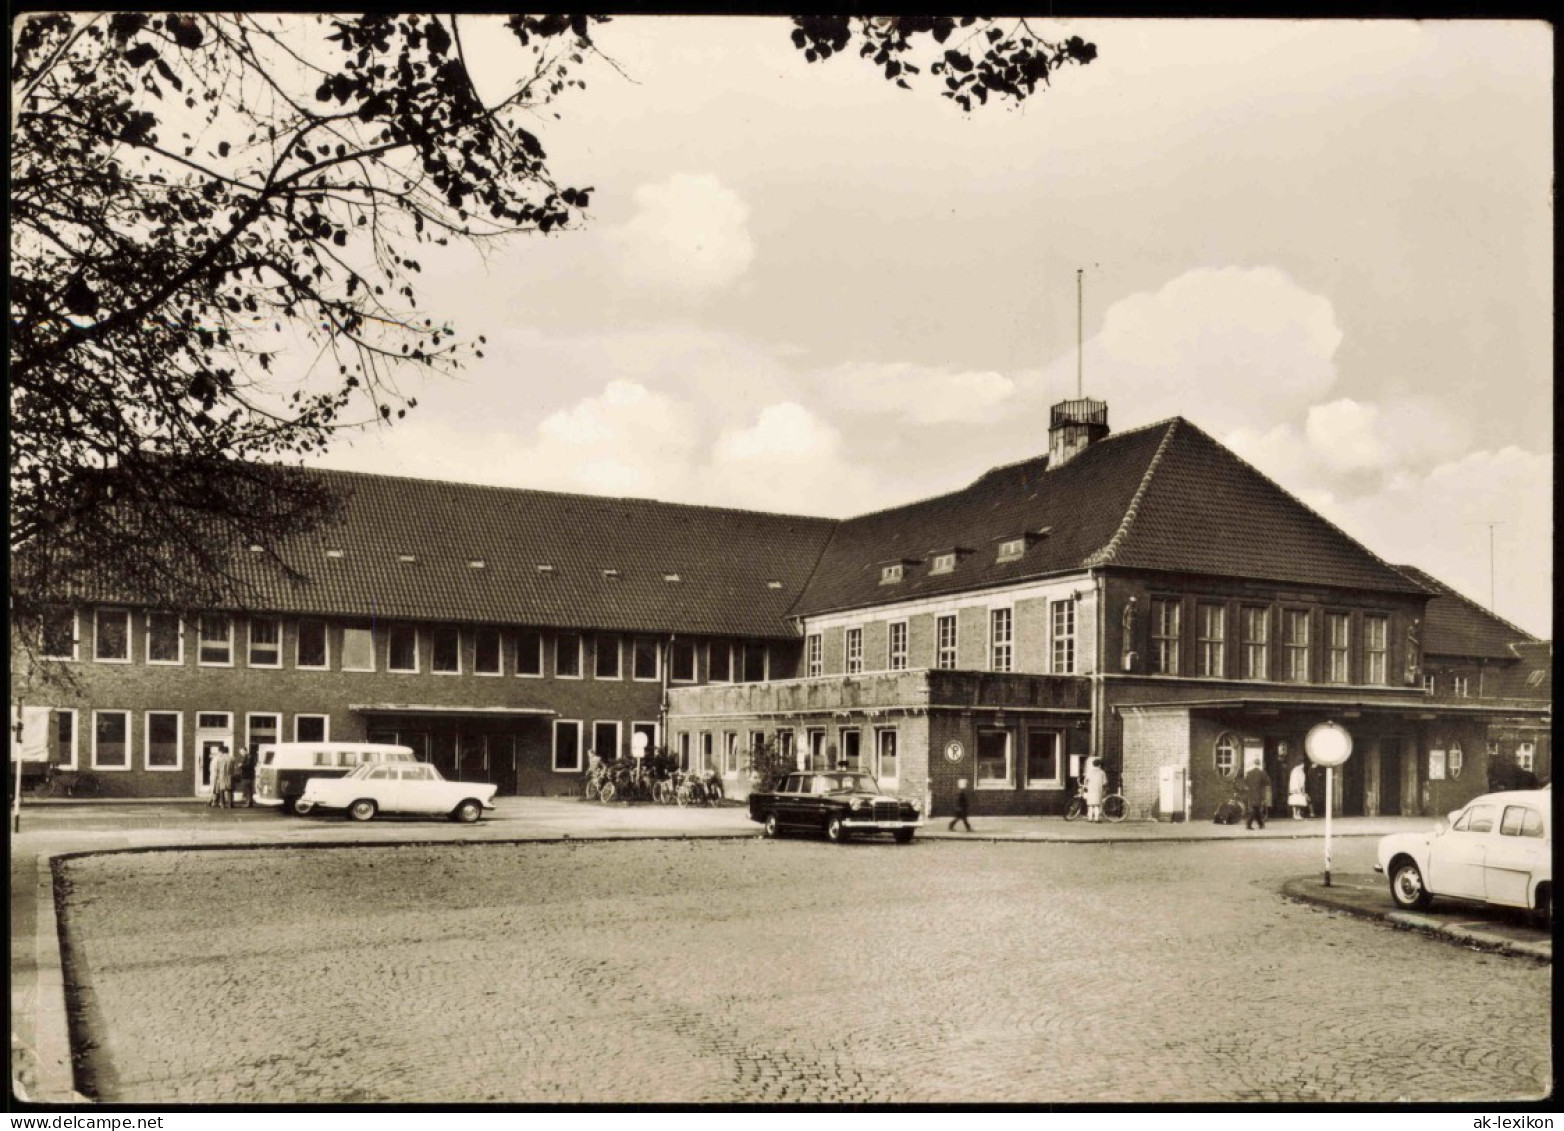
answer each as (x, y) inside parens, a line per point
(794, 971)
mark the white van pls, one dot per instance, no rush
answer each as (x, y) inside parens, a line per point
(282, 768)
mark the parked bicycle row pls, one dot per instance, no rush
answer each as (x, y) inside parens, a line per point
(656, 778)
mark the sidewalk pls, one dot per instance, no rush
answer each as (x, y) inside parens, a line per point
(41, 1055)
(1367, 896)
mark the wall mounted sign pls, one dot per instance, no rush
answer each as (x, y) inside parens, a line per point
(954, 751)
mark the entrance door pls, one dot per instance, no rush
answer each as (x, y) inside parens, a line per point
(1371, 779)
(213, 729)
(473, 764)
(1411, 802)
(1390, 775)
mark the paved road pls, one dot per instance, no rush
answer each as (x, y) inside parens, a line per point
(752, 971)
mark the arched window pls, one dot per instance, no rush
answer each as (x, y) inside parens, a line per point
(1227, 756)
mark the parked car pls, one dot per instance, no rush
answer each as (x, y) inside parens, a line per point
(398, 787)
(285, 768)
(1499, 850)
(839, 804)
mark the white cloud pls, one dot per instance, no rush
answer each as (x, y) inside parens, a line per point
(689, 237)
(790, 460)
(917, 394)
(1345, 432)
(1437, 522)
(1229, 347)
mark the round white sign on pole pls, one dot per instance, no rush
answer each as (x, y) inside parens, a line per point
(1327, 744)
(638, 745)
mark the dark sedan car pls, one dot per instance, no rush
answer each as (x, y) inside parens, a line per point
(838, 803)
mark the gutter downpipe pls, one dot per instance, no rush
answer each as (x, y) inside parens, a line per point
(662, 714)
(1098, 682)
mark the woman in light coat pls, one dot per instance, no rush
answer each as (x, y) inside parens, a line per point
(1298, 790)
(1096, 786)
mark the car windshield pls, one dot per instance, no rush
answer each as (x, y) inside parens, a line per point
(845, 783)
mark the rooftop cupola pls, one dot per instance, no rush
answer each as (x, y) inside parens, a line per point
(1072, 426)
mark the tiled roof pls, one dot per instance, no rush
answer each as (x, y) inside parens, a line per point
(725, 560)
(1081, 503)
(1531, 678)
(1455, 625)
(1162, 497)
(1205, 510)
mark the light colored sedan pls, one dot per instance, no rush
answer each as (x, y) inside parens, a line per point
(1499, 850)
(398, 787)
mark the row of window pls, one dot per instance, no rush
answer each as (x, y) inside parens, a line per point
(1039, 766)
(727, 752)
(162, 745)
(402, 647)
(1443, 761)
(1297, 651)
(1001, 643)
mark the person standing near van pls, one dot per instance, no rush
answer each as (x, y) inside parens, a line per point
(222, 778)
(244, 772)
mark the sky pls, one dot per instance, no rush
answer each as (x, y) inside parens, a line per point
(800, 289)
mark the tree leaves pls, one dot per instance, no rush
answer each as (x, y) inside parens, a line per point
(155, 288)
(1003, 58)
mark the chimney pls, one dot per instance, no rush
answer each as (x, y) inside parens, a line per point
(1072, 426)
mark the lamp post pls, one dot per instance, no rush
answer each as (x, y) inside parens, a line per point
(1330, 746)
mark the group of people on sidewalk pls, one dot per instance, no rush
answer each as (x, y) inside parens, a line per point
(232, 773)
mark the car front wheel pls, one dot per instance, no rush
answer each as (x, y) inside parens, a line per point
(771, 828)
(467, 812)
(835, 831)
(362, 810)
(1406, 886)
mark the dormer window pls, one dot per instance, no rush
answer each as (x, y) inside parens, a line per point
(1011, 549)
(943, 563)
(890, 574)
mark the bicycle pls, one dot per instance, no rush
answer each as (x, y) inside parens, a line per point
(1114, 807)
(57, 781)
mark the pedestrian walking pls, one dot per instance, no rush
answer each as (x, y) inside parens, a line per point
(1096, 786)
(963, 803)
(1298, 789)
(1257, 783)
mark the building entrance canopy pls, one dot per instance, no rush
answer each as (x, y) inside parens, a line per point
(451, 712)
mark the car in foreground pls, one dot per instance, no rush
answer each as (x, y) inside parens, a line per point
(283, 769)
(1498, 850)
(837, 803)
(398, 787)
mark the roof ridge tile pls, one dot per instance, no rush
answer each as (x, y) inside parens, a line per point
(1104, 555)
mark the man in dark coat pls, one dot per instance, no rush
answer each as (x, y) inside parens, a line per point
(1257, 784)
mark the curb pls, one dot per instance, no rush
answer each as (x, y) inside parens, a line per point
(1297, 891)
